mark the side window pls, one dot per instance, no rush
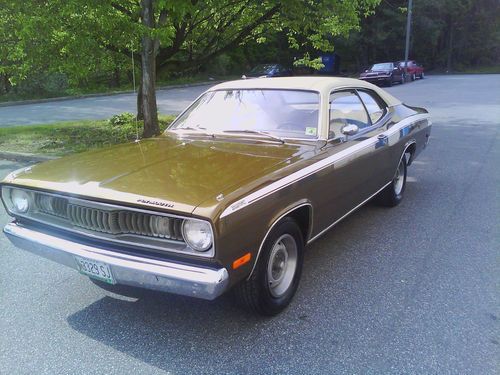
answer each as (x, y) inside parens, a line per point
(346, 109)
(375, 110)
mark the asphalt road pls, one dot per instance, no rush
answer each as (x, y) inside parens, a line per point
(170, 101)
(408, 290)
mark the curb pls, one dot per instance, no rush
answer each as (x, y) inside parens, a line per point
(17, 156)
(64, 98)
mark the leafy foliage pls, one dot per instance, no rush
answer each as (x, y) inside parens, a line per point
(446, 35)
(121, 119)
(83, 37)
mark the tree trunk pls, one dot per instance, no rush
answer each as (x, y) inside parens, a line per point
(115, 79)
(6, 83)
(450, 48)
(150, 111)
(140, 108)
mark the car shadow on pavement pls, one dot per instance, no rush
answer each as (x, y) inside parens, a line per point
(172, 332)
(165, 330)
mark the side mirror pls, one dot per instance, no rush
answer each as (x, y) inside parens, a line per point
(350, 129)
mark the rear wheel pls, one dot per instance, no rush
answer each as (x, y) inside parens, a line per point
(392, 195)
(276, 276)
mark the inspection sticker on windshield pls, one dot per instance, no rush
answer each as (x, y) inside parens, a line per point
(311, 131)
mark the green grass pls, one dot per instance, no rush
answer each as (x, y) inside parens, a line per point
(482, 70)
(64, 138)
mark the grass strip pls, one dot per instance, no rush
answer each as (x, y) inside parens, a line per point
(65, 138)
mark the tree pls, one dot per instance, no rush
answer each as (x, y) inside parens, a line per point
(167, 35)
(446, 34)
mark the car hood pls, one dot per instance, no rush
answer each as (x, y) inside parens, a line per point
(167, 172)
(384, 72)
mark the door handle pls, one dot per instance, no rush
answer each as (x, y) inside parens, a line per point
(382, 140)
(382, 137)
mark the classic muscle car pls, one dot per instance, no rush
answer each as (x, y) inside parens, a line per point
(384, 73)
(229, 196)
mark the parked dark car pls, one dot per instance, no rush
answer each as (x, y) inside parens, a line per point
(268, 71)
(414, 69)
(384, 73)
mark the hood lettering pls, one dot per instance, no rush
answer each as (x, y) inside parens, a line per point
(155, 203)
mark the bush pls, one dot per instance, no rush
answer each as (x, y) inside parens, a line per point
(42, 85)
(121, 119)
(55, 83)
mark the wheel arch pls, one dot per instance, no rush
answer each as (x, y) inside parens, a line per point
(409, 148)
(302, 212)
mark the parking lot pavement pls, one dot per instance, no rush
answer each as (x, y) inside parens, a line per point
(407, 290)
(170, 101)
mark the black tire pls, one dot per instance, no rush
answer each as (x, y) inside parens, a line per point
(389, 82)
(392, 195)
(402, 79)
(256, 294)
(123, 290)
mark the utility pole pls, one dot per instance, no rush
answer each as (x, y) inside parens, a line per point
(408, 30)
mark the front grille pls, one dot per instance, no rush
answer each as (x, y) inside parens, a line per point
(113, 222)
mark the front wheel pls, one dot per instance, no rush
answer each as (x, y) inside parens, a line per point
(276, 276)
(392, 195)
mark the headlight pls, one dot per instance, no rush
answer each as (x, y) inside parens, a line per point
(17, 201)
(197, 234)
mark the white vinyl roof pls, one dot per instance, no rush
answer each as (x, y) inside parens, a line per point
(323, 85)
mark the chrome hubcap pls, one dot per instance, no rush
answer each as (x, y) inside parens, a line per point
(282, 265)
(399, 178)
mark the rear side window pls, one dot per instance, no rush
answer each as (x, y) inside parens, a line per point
(346, 109)
(373, 106)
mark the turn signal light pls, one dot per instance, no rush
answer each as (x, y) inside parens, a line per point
(241, 261)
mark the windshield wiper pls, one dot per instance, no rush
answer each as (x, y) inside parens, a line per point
(198, 129)
(255, 132)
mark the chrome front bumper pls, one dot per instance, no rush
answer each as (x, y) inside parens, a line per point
(200, 282)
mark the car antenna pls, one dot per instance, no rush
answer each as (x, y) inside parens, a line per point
(133, 80)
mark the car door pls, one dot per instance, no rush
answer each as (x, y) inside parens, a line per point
(358, 161)
(397, 72)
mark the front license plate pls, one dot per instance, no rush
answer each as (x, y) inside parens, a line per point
(95, 269)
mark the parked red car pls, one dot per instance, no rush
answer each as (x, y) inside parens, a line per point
(415, 70)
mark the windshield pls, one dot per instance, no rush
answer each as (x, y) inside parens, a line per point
(263, 69)
(282, 113)
(383, 66)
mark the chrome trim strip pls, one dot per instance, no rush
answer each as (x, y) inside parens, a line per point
(407, 144)
(200, 282)
(272, 226)
(316, 167)
(348, 213)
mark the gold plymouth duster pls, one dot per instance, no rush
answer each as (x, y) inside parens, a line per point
(229, 196)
